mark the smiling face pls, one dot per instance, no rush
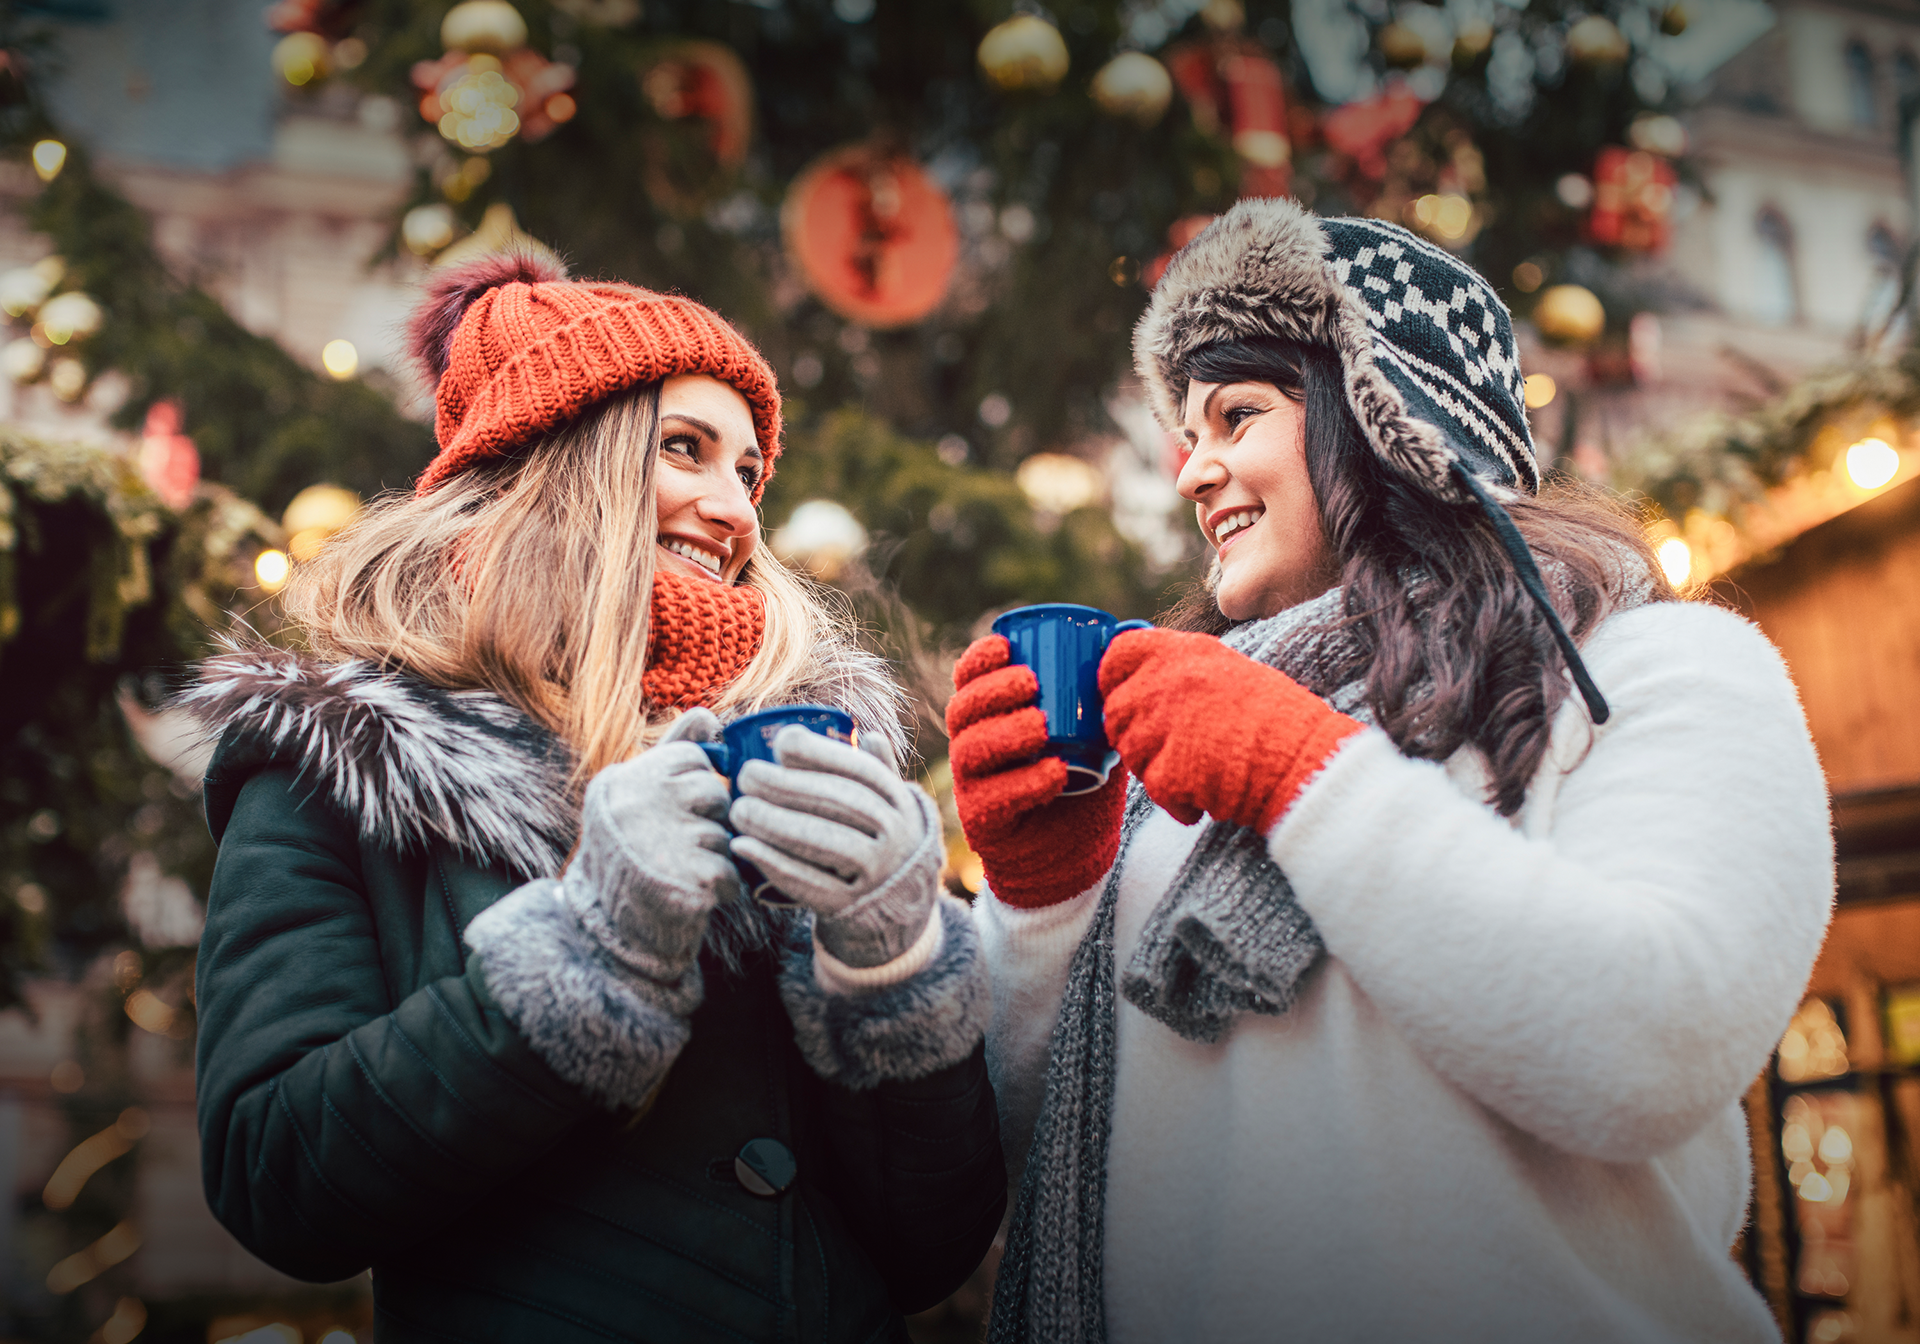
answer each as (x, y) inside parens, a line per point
(1246, 472)
(703, 483)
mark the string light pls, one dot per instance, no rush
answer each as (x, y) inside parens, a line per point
(49, 157)
(88, 1265)
(340, 359)
(1871, 463)
(89, 1155)
(271, 567)
(1540, 390)
(1676, 560)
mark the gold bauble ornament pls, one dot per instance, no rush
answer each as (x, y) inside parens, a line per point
(1024, 53)
(1569, 315)
(315, 514)
(492, 26)
(1673, 20)
(1135, 86)
(301, 58)
(1402, 47)
(1471, 43)
(426, 229)
(1595, 41)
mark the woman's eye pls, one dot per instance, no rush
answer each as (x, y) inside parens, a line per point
(682, 443)
(1239, 415)
(750, 475)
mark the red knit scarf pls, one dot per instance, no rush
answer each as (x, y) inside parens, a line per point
(701, 635)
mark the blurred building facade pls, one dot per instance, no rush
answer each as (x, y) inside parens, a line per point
(1788, 241)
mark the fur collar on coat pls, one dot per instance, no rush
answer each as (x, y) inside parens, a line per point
(416, 765)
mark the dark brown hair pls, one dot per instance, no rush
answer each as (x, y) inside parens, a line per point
(1459, 654)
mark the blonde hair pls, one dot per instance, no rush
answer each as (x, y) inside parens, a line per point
(532, 577)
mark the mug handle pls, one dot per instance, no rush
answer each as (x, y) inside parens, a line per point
(719, 755)
(1125, 626)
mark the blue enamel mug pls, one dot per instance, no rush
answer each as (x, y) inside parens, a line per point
(1063, 644)
(751, 739)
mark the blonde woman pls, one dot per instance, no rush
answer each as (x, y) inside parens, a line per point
(483, 1004)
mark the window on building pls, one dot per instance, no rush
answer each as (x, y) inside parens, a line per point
(1861, 93)
(1883, 284)
(1776, 296)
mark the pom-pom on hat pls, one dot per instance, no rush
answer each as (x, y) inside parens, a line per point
(515, 349)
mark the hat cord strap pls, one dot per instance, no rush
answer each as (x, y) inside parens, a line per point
(1515, 546)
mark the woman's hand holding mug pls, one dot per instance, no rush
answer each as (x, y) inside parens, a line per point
(839, 831)
(653, 861)
(1212, 732)
(1039, 848)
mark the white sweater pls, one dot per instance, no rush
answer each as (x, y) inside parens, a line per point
(1506, 1106)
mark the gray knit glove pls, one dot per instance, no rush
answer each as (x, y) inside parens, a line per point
(653, 860)
(844, 835)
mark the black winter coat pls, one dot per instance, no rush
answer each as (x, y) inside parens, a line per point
(364, 1102)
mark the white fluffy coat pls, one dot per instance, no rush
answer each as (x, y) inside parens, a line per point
(1507, 1104)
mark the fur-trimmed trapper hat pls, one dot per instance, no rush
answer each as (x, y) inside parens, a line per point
(1433, 374)
(1432, 371)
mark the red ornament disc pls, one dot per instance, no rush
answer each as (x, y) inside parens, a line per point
(873, 236)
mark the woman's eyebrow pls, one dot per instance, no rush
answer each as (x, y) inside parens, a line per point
(696, 422)
(712, 433)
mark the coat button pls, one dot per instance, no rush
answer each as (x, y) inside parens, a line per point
(765, 1167)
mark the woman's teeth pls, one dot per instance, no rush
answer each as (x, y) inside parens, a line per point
(1234, 522)
(705, 559)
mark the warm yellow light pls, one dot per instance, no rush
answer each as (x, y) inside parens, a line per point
(1815, 1188)
(49, 157)
(1540, 390)
(1057, 483)
(89, 1155)
(1871, 463)
(340, 359)
(271, 568)
(1676, 560)
(87, 1265)
(1835, 1146)
(124, 1326)
(1452, 216)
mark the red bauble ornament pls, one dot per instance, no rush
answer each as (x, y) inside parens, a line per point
(1363, 130)
(1231, 84)
(168, 461)
(872, 235)
(703, 83)
(1632, 200)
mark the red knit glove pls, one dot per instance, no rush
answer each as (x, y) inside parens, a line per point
(1038, 848)
(1210, 731)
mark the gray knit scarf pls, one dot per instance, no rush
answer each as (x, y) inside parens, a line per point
(1227, 938)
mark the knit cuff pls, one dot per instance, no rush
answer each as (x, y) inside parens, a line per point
(837, 977)
(909, 1029)
(607, 1031)
(1315, 755)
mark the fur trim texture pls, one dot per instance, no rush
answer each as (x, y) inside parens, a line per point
(1432, 371)
(411, 764)
(449, 293)
(928, 1022)
(607, 1031)
(416, 765)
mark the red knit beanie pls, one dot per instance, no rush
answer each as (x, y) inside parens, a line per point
(516, 349)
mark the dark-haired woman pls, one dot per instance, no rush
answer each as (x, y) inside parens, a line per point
(1465, 882)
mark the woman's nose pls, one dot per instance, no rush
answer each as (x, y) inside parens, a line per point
(728, 505)
(1201, 474)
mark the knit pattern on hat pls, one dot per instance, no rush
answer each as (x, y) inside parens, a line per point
(1427, 347)
(531, 350)
(701, 636)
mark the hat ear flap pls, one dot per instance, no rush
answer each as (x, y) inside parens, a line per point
(451, 292)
